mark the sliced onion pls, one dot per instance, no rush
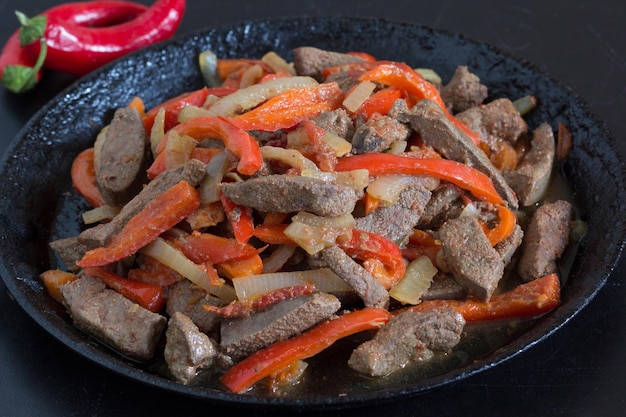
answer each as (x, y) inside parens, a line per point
(429, 75)
(191, 112)
(417, 279)
(388, 187)
(175, 259)
(324, 279)
(277, 63)
(207, 61)
(246, 98)
(339, 145)
(398, 147)
(289, 157)
(104, 212)
(358, 95)
(178, 149)
(157, 131)
(251, 76)
(315, 233)
(215, 170)
(278, 258)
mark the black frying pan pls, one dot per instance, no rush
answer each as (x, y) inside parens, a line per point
(38, 204)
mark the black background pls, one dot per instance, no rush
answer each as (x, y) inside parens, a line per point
(579, 371)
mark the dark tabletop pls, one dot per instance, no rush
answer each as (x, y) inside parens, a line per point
(579, 371)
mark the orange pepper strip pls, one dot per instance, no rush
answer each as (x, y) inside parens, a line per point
(173, 106)
(290, 108)
(527, 300)
(389, 266)
(274, 234)
(504, 228)
(83, 176)
(159, 215)
(457, 173)
(400, 75)
(240, 219)
(237, 141)
(235, 268)
(280, 355)
(54, 279)
(380, 102)
(148, 296)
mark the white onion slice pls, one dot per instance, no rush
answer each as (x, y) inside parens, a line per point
(246, 98)
(97, 214)
(277, 63)
(178, 149)
(157, 132)
(278, 258)
(289, 157)
(388, 187)
(215, 170)
(417, 279)
(358, 95)
(324, 279)
(175, 259)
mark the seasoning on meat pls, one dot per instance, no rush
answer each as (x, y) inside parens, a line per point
(498, 119)
(470, 257)
(292, 193)
(123, 158)
(546, 239)
(377, 134)
(407, 337)
(308, 60)
(189, 299)
(242, 336)
(531, 178)
(109, 316)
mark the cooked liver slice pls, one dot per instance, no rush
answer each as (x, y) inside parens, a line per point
(243, 336)
(109, 316)
(530, 179)
(546, 239)
(408, 336)
(123, 158)
(291, 193)
(470, 257)
(189, 299)
(463, 91)
(308, 60)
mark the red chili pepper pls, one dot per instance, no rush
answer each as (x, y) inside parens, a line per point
(78, 49)
(14, 55)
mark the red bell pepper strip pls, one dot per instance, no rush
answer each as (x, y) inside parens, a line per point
(173, 106)
(240, 219)
(75, 48)
(237, 141)
(400, 75)
(457, 173)
(366, 245)
(152, 271)
(290, 108)
(201, 154)
(380, 101)
(148, 296)
(83, 176)
(207, 247)
(159, 215)
(505, 226)
(527, 300)
(280, 355)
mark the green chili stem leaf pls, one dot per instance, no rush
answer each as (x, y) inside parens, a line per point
(32, 29)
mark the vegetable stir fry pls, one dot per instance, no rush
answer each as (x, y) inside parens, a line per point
(248, 225)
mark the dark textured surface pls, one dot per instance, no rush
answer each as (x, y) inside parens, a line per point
(597, 173)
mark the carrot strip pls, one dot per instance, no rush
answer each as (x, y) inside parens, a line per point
(83, 176)
(290, 108)
(527, 300)
(159, 215)
(274, 234)
(54, 279)
(280, 355)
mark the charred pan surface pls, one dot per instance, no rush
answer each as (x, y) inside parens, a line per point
(109, 316)
(291, 193)
(123, 157)
(408, 336)
(470, 257)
